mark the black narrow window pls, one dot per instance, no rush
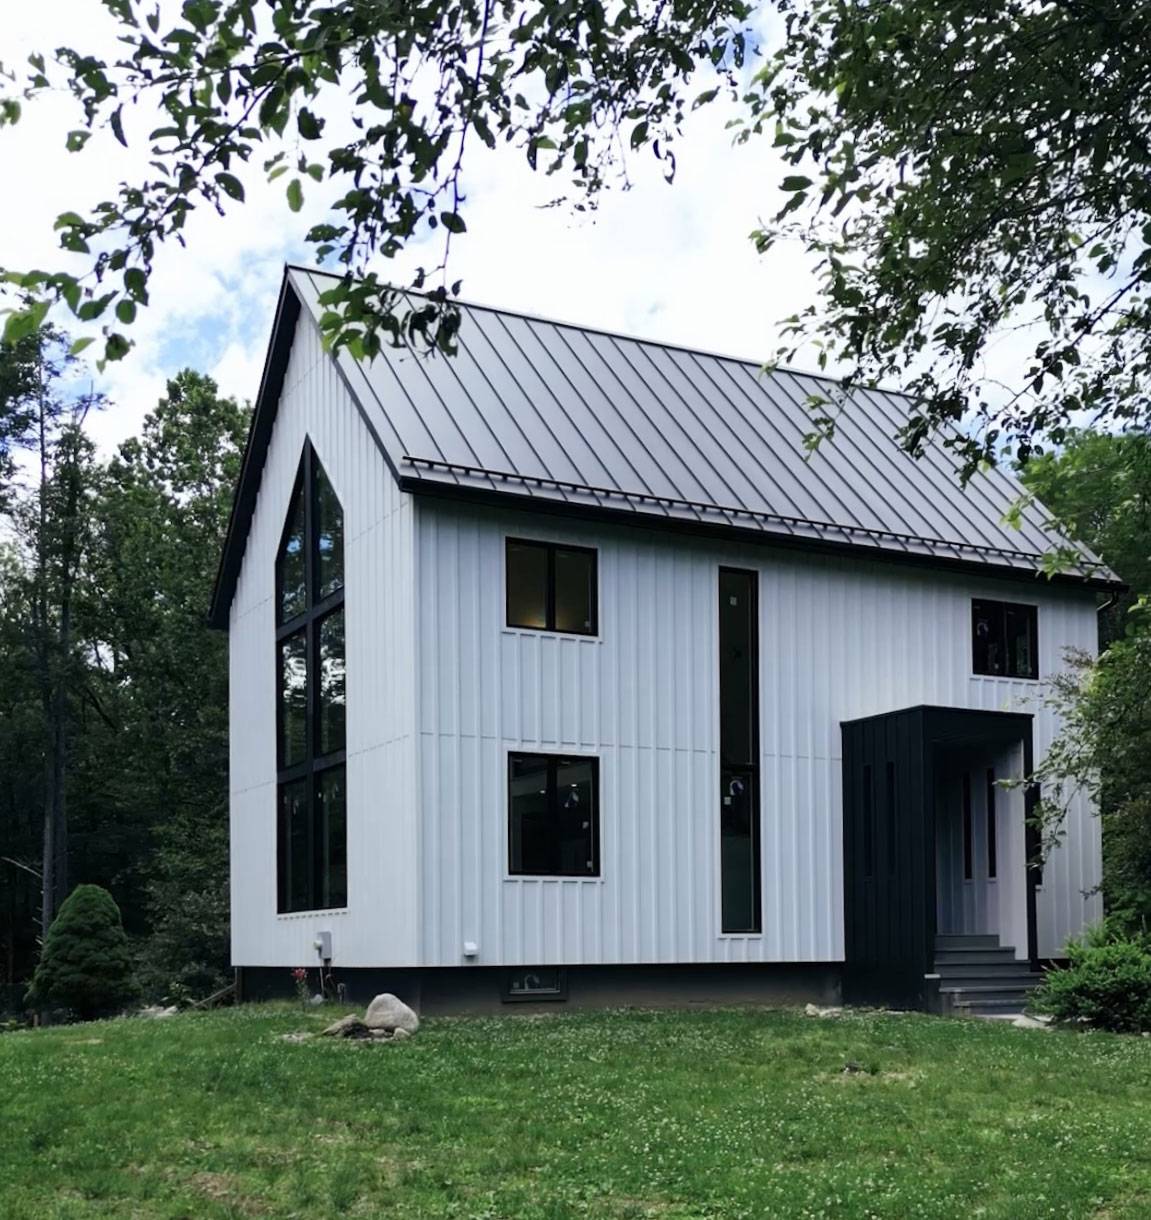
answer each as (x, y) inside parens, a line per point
(992, 829)
(553, 815)
(891, 819)
(868, 823)
(551, 587)
(312, 836)
(1004, 639)
(740, 903)
(968, 852)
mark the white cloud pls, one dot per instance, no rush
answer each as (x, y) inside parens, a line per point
(667, 262)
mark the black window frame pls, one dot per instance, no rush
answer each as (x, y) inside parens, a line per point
(553, 761)
(740, 760)
(550, 548)
(314, 766)
(981, 607)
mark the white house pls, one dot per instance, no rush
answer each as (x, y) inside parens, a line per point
(560, 670)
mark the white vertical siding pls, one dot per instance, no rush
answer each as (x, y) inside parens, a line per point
(839, 639)
(378, 926)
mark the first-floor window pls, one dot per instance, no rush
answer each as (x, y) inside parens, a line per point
(553, 815)
(313, 842)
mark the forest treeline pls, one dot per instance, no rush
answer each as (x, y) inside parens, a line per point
(113, 703)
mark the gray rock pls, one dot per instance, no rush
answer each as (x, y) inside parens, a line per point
(155, 1012)
(401, 1033)
(1023, 1021)
(388, 1012)
(814, 1010)
(346, 1027)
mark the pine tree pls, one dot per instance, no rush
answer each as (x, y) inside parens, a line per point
(86, 965)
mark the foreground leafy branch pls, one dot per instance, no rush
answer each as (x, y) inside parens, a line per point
(962, 171)
(241, 84)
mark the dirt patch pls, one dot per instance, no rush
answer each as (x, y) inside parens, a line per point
(223, 1188)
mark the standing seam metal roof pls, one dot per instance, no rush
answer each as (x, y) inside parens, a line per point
(558, 413)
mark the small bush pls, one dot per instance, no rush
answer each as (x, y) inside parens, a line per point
(1107, 983)
(86, 965)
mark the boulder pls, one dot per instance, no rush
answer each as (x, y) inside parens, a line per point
(389, 1013)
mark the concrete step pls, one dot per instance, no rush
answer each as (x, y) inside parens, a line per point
(965, 940)
(976, 970)
(976, 957)
(1006, 1007)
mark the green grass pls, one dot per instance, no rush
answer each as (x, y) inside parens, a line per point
(626, 1114)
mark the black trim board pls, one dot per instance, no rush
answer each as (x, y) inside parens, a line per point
(433, 489)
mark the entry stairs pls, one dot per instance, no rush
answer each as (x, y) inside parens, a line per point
(979, 977)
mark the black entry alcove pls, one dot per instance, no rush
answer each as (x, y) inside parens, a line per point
(890, 765)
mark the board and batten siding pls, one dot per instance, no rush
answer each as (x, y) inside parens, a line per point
(378, 925)
(839, 639)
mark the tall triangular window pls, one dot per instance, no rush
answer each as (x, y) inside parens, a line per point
(312, 834)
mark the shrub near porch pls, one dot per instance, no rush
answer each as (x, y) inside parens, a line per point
(719, 1114)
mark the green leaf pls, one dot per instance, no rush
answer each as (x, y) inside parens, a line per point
(310, 126)
(231, 186)
(80, 344)
(76, 140)
(126, 312)
(453, 222)
(795, 182)
(295, 195)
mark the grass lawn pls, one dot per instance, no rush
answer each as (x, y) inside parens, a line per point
(626, 1114)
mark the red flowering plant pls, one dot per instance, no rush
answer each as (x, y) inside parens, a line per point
(300, 979)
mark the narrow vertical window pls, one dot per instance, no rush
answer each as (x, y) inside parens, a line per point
(992, 828)
(311, 849)
(740, 903)
(968, 852)
(868, 823)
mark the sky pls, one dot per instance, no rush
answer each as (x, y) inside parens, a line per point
(673, 263)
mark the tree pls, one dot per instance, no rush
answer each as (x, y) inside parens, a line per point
(156, 690)
(140, 688)
(960, 170)
(86, 965)
(1104, 750)
(238, 82)
(1098, 488)
(51, 528)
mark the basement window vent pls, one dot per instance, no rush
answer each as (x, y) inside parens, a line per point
(536, 983)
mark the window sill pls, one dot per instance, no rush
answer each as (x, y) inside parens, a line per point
(535, 633)
(1004, 678)
(537, 877)
(739, 936)
(324, 912)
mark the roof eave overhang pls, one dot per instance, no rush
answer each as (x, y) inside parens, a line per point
(437, 489)
(255, 453)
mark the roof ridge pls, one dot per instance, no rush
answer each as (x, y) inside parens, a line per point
(666, 344)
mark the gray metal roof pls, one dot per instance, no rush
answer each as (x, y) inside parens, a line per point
(557, 413)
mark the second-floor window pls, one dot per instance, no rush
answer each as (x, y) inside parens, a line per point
(1005, 639)
(551, 587)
